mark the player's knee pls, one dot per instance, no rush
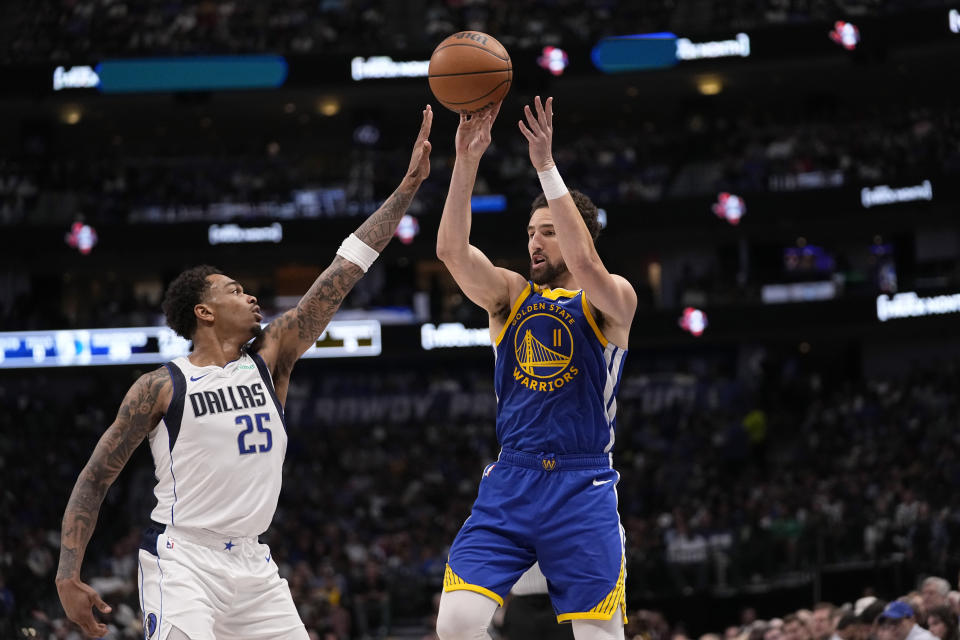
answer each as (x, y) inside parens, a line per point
(176, 634)
(464, 616)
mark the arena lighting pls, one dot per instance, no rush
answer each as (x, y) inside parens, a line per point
(954, 20)
(910, 305)
(234, 234)
(153, 345)
(554, 60)
(730, 207)
(81, 237)
(452, 334)
(884, 194)
(845, 34)
(81, 77)
(379, 67)
(693, 321)
(407, 229)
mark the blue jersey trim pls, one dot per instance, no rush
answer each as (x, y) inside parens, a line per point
(174, 416)
(265, 374)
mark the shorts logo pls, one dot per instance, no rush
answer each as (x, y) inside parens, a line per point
(549, 464)
(150, 625)
(169, 543)
(486, 472)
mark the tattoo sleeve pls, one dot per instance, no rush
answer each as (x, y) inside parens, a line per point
(139, 414)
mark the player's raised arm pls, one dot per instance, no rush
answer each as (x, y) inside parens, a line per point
(290, 335)
(139, 413)
(486, 285)
(611, 294)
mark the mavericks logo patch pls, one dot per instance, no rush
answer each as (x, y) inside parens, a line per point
(150, 625)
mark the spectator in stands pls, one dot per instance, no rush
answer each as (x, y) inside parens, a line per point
(934, 591)
(794, 628)
(942, 622)
(899, 622)
(823, 621)
(848, 627)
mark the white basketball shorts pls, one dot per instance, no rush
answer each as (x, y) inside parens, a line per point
(212, 587)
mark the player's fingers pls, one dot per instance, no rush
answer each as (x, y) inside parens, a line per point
(541, 116)
(101, 605)
(463, 117)
(496, 110)
(550, 111)
(526, 132)
(531, 120)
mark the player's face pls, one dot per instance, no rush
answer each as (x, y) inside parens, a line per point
(233, 309)
(546, 263)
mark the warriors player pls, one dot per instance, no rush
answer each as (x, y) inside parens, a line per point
(559, 340)
(215, 424)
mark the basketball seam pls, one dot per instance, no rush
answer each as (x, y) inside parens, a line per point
(475, 46)
(468, 73)
(478, 97)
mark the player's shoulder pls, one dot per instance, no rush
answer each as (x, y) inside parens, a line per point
(154, 387)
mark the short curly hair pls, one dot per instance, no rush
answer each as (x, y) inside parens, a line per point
(185, 292)
(585, 206)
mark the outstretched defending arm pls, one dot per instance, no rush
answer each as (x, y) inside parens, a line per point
(610, 293)
(488, 286)
(139, 413)
(290, 335)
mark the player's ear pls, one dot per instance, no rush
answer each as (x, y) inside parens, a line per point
(203, 312)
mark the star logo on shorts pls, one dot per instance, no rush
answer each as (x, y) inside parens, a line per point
(229, 545)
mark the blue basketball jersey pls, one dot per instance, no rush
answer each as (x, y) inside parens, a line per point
(556, 376)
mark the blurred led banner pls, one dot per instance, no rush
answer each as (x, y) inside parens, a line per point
(199, 73)
(381, 67)
(635, 53)
(659, 50)
(155, 345)
(910, 305)
(452, 334)
(884, 194)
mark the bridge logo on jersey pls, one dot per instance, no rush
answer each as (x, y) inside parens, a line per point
(543, 345)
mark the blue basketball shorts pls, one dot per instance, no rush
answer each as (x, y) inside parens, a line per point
(560, 510)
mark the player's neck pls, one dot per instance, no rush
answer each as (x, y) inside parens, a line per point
(565, 281)
(210, 349)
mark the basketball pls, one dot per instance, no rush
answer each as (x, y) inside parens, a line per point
(470, 71)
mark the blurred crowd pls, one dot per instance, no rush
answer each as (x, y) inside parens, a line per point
(727, 486)
(176, 176)
(67, 30)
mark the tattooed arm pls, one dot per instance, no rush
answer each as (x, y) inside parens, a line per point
(139, 413)
(290, 335)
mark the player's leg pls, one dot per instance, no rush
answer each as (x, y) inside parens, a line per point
(464, 615)
(611, 629)
(173, 599)
(580, 550)
(489, 555)
(262, 606)
(176, 634)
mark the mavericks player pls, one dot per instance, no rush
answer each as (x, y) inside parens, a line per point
(559, 341)
(214, 420)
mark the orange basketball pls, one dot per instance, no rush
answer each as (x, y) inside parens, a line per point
(470, 71)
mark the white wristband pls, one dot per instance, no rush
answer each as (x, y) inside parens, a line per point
(552, 183)
(358, 252)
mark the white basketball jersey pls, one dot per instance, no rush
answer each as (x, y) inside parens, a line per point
(219, 449)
